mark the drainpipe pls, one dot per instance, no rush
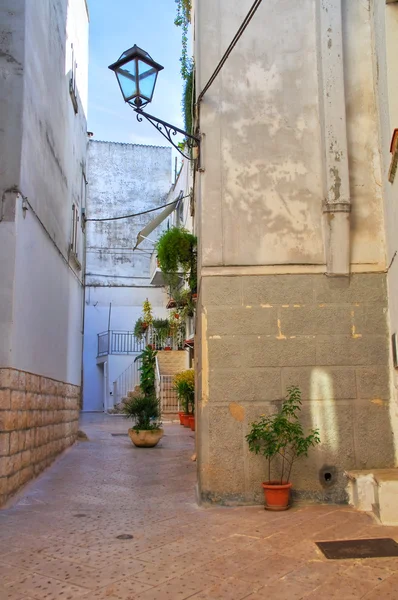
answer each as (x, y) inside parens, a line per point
(337, 201)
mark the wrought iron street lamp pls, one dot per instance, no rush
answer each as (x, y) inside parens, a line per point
(137, 73)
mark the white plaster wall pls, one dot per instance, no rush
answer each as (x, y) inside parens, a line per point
(262, 187)
(12, 47)
(47, 300)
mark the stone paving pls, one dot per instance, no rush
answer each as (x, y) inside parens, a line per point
(59, 541)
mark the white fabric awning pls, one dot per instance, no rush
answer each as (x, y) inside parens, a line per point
(144, 233)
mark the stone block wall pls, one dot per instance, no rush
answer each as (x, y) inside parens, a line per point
(38, 420)
(261, 334)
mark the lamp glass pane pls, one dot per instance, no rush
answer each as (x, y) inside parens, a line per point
(147, 78)
(128, 79)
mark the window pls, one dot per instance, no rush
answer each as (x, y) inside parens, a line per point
(72, 82)
(73, 248)
(180, 213)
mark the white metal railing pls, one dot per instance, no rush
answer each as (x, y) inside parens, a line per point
(160, 340)
(168, 396)
(126, 382)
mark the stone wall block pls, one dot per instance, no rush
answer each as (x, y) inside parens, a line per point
(278, 289)
(225, 352)
(5, 399)
(242, 321)
(355, 289)
(22, 422)
(373, 382)
(17, 380)
(321, 383)
(18, 401)
(4, 444)
(370, 318)
(29, 439)
(5, 378)
(6, 466)
(222, 291)
(315, 319)
(225, 471)
(373, 430)
(244, 385)
(271, 352)
(347, 350)
(21, 440)
(32, 383)
(8, 420)
(26, 474)
(25, 459)
(14, 442)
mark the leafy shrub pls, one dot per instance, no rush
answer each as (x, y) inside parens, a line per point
(184, 384)
(281, 435)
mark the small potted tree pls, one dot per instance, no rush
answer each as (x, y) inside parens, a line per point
(145, 408)
(280, 438)
(184, 384)
(147, 431)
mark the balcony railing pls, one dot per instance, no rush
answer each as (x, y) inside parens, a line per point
(118, 342)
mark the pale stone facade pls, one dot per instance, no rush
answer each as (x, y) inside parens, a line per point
(292, 252)
(43, 145)
(38, 419)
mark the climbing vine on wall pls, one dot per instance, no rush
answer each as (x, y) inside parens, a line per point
(183, 19)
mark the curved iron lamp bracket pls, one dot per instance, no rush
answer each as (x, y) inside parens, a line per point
(168, 130)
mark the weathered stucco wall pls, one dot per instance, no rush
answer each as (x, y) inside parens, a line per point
(269, 316)
(123, 179)
(263, 154)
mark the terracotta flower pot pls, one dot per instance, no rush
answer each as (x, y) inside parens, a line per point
(168, 348)
(185, 420)
(180, 415)
(144, 325)
(192, 422)
(145, 438)
(277, 495)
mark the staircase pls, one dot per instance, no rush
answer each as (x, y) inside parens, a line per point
(376, 491)
(168, 364)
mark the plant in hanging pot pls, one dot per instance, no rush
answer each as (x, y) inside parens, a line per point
(281, 439)
(176, 250)
(140, 328)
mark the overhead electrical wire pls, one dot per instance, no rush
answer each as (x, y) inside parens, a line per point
(144, 212)
(232, 45)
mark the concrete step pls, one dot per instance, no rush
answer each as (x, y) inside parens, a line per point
(375, 490)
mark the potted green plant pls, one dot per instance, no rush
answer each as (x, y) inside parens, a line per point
(145, 408)
(281, 439)
(184, 384)
(147, 431)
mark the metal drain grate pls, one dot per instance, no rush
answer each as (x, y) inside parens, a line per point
(120, 434)
(370, 548)
(124, 536)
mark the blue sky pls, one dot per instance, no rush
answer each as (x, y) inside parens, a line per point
(116, 25)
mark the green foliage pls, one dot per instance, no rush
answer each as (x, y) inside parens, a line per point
(188, 100)
(281, 435)
(139, 329)
(176, 251)
(183, 19)
(148, 366)
(184, 384)
(162, 327)
(185, 305)
(145, 410)
(147, 312)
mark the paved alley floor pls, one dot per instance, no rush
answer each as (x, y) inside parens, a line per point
(61, 539)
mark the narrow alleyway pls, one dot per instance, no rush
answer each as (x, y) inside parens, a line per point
(63, 539)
